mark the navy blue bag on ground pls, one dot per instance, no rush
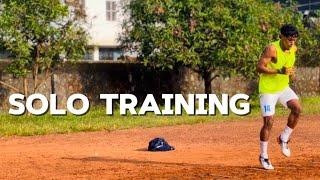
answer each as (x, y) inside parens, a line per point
(159, 144)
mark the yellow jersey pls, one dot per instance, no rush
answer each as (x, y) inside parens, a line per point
(273, 83)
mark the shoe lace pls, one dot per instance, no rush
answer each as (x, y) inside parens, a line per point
(285, 145)
(265, 160)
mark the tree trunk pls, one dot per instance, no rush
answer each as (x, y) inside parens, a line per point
(207, 82)
(53, 88)
(9, 86)
(25, 87)
(35, 70)
(35, 77)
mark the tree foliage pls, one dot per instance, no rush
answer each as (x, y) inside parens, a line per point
(40, 34)
(209, 36)
(309, 55)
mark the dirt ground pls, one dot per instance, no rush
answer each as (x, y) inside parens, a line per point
(214, 150)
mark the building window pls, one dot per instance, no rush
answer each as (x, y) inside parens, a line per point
(111, 10)
(110, 54)
(117, 53)
(105, 54)
(88, 55)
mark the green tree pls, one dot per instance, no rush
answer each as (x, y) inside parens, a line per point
(310, 41)
(213, 37)
(40, 34)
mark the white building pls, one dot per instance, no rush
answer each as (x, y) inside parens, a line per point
(104, 18)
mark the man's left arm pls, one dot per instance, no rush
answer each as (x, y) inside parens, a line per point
(291, 71)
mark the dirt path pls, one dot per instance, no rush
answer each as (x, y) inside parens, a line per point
(210, 150)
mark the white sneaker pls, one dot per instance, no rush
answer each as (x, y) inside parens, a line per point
(265, 163)
(284, 147)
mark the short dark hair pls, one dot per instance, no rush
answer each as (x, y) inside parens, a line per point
(289, 30)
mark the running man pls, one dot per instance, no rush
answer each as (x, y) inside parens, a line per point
(276, 67)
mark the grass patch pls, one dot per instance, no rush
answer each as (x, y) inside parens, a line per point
(96, 120)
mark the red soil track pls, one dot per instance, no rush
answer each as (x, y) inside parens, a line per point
(209, 150)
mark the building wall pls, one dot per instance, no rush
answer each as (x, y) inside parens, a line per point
(103, 33)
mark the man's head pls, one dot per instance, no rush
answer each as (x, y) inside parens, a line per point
(288, 36)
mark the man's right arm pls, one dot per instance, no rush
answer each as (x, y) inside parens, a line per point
(268, 54)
